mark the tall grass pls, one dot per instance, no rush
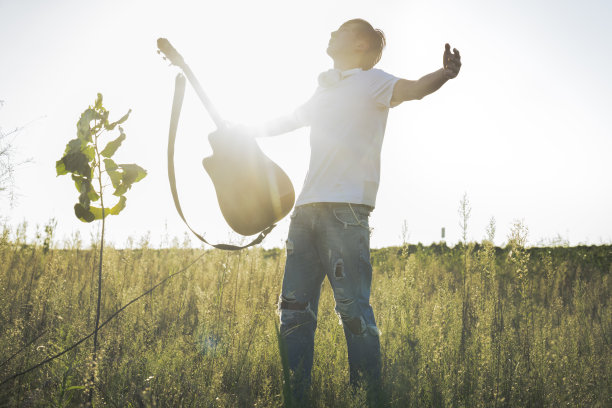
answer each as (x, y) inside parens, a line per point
(469, 326)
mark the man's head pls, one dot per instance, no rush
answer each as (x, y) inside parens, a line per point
(357, 40)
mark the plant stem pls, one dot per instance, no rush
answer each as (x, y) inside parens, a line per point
(97, 323)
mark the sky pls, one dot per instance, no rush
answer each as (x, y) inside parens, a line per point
(523, 131)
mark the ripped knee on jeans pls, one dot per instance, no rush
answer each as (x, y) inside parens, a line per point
(294, 314)
(358, 327)
(355, 323)
(291, 304)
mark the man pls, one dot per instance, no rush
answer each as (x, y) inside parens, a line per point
(329, 232)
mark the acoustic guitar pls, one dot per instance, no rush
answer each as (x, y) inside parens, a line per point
(253, 192)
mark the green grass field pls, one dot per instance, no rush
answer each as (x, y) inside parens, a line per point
(469, 326)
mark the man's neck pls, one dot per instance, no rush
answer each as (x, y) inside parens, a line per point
(344, 65)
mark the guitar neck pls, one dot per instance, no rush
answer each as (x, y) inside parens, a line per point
(214, 114)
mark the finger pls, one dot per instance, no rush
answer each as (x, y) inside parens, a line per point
(456, 52)
(446, 56)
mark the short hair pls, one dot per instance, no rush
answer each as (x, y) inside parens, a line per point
(376, 42)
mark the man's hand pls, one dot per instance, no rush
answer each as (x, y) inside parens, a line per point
(451, 62)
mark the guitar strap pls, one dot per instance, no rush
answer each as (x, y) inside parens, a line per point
(177, 104)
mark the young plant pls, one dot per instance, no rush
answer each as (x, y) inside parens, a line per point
(91, 168)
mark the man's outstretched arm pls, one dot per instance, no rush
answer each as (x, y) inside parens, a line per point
(407, 90)
(278, 126)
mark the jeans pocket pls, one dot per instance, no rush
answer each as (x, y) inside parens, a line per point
(350, 215)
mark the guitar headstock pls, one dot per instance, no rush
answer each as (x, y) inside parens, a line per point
(169, 52)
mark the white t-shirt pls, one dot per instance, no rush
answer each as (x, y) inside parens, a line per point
(347, 121)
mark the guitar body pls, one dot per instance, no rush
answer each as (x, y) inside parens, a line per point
(253, 192)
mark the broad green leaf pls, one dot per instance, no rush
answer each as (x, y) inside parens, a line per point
(93, 195)
(110, 165)
(103, 120)
(120, 190)
(132, 173)
(98, 104)
(73, 146)
(83, 125)
(78, 145)
(115, 177)
(111, 170)
(60, 167)
(78, 181)
(84, 199)
(112, 146)
(77, 163)
(90, 152)
(111, 126)
(87, 116)
(85, 134)
(124, 117)
(83, 214)
(87, 192)
(119, 206)
(97, 212)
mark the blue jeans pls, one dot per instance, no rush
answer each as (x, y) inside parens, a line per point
(333, 240)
